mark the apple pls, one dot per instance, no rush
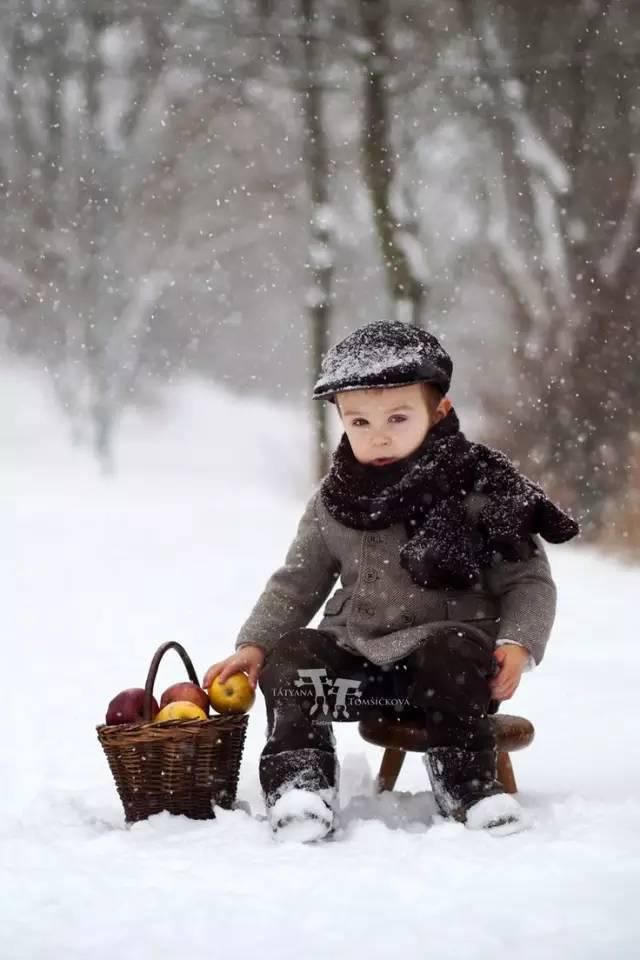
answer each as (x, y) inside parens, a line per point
(181, 710)
(128, 707)
(185, 691)
(235, 695)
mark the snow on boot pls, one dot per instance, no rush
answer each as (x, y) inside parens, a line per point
(499, 815)
(466, 789)
(301, 816)
(460, 778)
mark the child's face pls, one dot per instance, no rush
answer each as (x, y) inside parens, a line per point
(386, 423)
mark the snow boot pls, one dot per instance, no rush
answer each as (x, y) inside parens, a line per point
(465, 788)
(302, 816)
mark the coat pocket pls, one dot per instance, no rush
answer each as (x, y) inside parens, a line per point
(335, 603)
(481, 607)
(480, 613)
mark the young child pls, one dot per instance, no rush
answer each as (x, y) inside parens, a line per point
(446, 594)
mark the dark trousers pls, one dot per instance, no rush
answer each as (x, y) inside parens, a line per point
(308, 682)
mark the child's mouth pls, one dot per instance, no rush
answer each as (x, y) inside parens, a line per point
(382, 461)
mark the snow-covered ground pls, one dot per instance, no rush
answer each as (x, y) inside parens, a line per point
(96, 574)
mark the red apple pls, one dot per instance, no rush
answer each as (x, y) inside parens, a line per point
(185, 691)
(128, 707)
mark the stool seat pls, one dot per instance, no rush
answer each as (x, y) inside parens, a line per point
(398, 735)
(512, 733)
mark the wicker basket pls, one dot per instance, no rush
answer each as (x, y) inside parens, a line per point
(183, 766)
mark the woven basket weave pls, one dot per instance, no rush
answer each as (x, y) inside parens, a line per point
(183, 766)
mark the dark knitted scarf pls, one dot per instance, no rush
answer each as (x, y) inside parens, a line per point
(433, 491)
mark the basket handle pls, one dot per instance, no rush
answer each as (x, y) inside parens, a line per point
(153, 670)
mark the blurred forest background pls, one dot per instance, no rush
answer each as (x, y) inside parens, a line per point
(220, 188)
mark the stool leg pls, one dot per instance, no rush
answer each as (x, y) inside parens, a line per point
(390, 767)
(505, 773)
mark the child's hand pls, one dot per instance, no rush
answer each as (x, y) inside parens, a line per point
(512, 659)
(248, 659)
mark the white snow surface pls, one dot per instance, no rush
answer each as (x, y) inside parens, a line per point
(177, 545)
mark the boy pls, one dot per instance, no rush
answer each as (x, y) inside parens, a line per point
(444, 581)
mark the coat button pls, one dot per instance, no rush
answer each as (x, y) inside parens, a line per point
(407, 619)
(366, 610)
(371, 575)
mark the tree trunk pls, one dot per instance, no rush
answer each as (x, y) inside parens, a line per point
(321, 254)
(407, 290)
(579, 382)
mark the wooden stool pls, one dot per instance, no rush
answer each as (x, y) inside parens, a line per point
(398, 736)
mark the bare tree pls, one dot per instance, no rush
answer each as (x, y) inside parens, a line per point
(96, 102)
(395, 224)
(298, 39)
(565, 234)
(321, 251)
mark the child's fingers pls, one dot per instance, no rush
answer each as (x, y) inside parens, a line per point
(206, 680)
(505, 686)
(502, 682)
(211, 674)
(506, 674)
(499, 675)
(254, 670)
(226, 671)
(234, 664)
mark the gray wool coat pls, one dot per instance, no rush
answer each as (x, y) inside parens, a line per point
(378, 612)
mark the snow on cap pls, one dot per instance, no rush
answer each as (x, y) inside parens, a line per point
(383, 354)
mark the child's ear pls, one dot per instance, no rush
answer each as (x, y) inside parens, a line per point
(443, 408)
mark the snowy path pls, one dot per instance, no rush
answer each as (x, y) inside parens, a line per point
(105, 573)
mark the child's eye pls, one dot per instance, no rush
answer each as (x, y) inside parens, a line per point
(399, 418)
(358, 422)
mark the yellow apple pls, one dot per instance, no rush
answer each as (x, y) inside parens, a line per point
(181, 710)
(235, 695)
